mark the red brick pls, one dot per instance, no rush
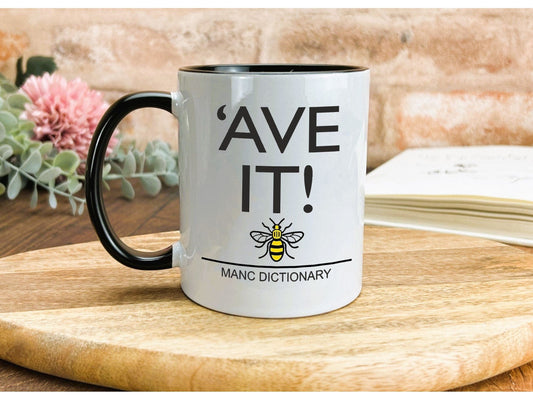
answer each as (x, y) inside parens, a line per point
(462, 118)
(456, 42)
(410, 47)
(133, 56)
(12, 45)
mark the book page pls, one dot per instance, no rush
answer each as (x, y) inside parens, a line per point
(453, 221)
(504, 172)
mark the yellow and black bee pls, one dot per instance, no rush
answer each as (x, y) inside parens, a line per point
(276, 240)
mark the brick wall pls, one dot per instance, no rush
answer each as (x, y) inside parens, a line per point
(439, 77)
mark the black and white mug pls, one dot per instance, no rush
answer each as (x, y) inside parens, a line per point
(272, 163)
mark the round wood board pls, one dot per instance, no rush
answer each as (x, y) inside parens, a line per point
(436, 312)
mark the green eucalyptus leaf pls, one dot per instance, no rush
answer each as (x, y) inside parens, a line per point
(160, 164)
(106, 170)
(115, 168)
(52, 201)
(81, 208)
(161, 145)
(34, 197)
(127, 189)
(120, 155)
(49, 175)
(74, 185)
(21, 138)
(73, 205)
(24, 180)
(62, 187)
(151, 184)
(14, 186)
(17, 148)
(32, 145)
(160, 153)
(171, 179)
(68, 161)
(8, 87)
(2, 132)
(2, 189)
(6, 151)
(17, 100)
(156, 163)
(139, 159)
(4, 168)
(171, 164)
(8, 120)
(15, 111)
(129, 166)
(149, 149)
(46, 148)
(32, 163)
(26, 126)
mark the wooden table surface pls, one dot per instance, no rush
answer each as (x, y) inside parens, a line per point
(23, 229)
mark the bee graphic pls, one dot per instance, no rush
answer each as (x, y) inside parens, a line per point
(277, 240)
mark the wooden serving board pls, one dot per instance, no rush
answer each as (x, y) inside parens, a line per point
(436, 312)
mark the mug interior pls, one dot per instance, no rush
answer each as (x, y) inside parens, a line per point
(272, 68)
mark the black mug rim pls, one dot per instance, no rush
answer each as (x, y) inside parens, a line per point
(272, 68)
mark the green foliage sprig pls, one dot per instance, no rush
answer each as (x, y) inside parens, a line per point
(155, 167)
(27, 162)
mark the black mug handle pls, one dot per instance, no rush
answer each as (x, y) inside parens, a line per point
(124, 254)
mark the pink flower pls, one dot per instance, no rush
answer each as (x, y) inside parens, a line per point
(65, 113)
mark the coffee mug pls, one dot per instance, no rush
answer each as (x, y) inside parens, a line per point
(272, 163)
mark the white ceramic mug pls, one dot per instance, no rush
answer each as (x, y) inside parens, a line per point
(272, 165)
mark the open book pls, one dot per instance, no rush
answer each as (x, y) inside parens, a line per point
(484, 191)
